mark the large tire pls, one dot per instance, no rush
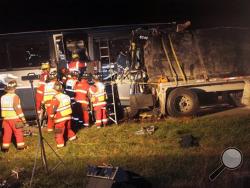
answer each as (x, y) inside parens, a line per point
(182, 102)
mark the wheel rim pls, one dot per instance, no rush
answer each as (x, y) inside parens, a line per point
(183, 104)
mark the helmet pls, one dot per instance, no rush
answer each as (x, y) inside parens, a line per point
(85, 76)
(75, 56)
(97, 76)
(45, 66)
(53, 75)
(58, 86)
(11, 85)
(75, 73)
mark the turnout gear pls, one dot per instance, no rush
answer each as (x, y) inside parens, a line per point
(70, 91)
(40, 88)
(49, 92)
(61, 114)
(98, 99)
(81, 90)
(13, 117)
(70, 87)
(76, 64)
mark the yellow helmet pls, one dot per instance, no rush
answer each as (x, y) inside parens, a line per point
(75, 56)
(45, 65)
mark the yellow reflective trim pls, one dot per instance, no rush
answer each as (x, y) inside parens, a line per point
(20, 144)
(60, 145)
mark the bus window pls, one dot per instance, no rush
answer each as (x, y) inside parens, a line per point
(3, 56)
(28, 53)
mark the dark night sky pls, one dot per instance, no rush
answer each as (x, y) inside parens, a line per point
(55, 14)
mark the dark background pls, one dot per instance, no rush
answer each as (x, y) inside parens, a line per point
(17, 16)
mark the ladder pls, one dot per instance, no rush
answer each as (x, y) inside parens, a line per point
(104, 53)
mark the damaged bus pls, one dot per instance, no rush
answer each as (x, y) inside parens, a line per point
(159, 67)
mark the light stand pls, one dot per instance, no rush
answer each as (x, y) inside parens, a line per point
(31, 77)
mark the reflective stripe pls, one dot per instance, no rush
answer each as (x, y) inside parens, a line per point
(63, 108)
(81, 91)
(40, 92)
(21, 115)
(60, 145)
(99, 94)
(6, 145)
(62, 119)
(104, 120)
(72, 138)
(99, 104)
(82, 102)
(71, 90)
(50, 130)
(86, 124)
(9, 118)
(19, 106)
(7, 109)
(98, 121)
(20, 144)
(49, 93)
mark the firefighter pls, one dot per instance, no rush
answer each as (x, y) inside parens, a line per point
(81, 90)
(76, 64)
(98, 99)
(45, 67)
(60, 112)
(13, 117)
(49, 92)
(70, 91)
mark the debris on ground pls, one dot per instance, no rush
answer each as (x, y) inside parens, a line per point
(13, 181)
(27, 133)
(188, 140)
(146, 130)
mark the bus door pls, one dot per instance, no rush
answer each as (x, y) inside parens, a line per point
(59, 47)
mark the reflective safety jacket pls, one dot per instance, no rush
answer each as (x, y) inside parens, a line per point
(76, 66)
(81, 91)
(11, 106)
(61, 108)
(98, 94)
(41, 83)
(70, 87)
(49, 91)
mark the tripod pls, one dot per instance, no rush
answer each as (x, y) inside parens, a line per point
(31, 77)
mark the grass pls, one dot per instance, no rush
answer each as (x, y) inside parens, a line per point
(157, 157)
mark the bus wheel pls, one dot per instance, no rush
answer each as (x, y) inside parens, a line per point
(182, 102)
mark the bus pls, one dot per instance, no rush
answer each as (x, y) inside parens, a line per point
(154, 66)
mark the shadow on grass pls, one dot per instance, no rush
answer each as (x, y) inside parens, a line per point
(179, 170)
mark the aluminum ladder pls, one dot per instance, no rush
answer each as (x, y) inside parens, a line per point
(104, 53)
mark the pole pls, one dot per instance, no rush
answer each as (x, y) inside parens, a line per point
(43, 155)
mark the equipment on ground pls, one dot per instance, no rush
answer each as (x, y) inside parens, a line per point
(30, 77)
(114, 177)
